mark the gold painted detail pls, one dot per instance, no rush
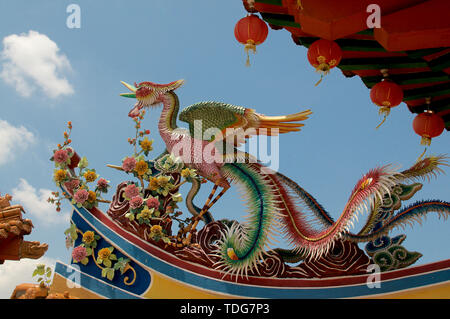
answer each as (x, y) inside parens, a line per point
(105, 259)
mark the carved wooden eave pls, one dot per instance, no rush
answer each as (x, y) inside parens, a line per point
(12, 230)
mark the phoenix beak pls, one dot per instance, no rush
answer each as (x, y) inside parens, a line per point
(131, 88)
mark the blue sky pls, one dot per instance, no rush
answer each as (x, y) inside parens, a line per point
(166, 40)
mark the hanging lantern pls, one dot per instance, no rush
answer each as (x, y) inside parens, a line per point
(386, 94)
(428, 125)
(324, 55)
(251, 31)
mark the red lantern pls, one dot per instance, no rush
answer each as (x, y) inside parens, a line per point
(428, 125)
(324, 55)
(386, 94)
(251, 31)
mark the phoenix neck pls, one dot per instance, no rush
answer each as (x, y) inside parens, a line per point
(168, 120)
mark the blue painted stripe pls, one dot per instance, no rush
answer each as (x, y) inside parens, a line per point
(93, 284)
(256, 291)
(143, 278)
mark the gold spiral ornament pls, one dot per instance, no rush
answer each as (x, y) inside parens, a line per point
(126, 279)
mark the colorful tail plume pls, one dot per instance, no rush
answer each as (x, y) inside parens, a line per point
(242, 246)
(271, 204)
(407, 216)
(275, 200)
(425, 169)
(313, 242)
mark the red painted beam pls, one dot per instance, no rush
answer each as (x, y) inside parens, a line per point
(426, 25)
(364, 73)
(331, 19)
(270, 8)
(422, 101)
(431, 57)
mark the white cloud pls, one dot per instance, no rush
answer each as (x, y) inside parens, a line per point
(33, 60)
(35, 203)
(13, 273)
(12, 140)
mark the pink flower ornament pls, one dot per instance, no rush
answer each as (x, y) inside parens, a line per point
(129, 164)
(153, 202)
(61, 156)
(71, 185)
(81, 196)
(136, 202)
(131, 191)
(79, 253)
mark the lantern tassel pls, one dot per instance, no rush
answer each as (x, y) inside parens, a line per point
(323, 69)
(421, 155)
(425, 141)
(384, 120)
(320, 80)
(385, 111)
(249, 46)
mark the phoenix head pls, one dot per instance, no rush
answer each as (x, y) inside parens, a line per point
(148, 94)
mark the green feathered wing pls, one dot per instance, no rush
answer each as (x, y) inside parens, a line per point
(212, 115)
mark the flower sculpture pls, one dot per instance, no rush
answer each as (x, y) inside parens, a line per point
(154, 194)
(105, 259)
(77, 184)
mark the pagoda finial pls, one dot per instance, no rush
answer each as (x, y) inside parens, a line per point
(5, 201)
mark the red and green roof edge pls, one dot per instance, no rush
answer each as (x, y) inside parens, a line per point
(421, 73)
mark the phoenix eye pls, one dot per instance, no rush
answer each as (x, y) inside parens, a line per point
(143, 91)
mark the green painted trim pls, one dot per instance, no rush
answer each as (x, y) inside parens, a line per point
(273, 2)
(424, 95)
(435, 106)
(283, 20)
(349, 44)
(446, 119)
(440, 63)
(423, 52)
(432, 91)
(304, 43)
(366, 32)
(410, 78)
(380, 63)
(282, 23)
(353, 65)
(362, 48)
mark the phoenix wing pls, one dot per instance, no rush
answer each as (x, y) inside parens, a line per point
(215, 121)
